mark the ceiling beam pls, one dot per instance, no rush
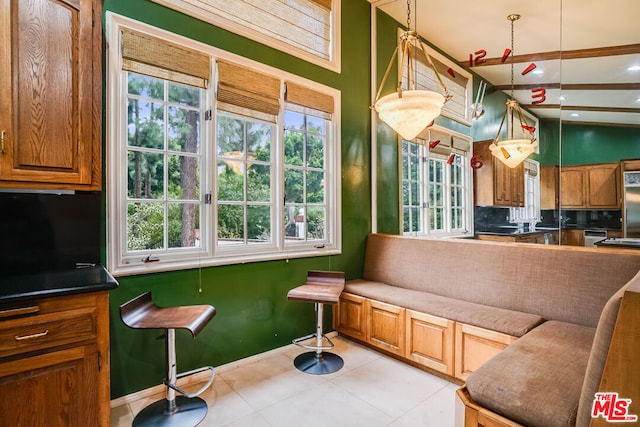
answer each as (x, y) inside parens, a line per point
(630, 49)
(584, 108)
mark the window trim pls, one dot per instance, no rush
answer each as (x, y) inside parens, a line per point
(424, 188)
(333, 64)
(183, 258)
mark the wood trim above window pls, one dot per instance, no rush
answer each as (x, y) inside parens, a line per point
(148, 55)
(324, 3)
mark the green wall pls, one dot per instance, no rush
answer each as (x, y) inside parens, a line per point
(586, 144)
(253, 314)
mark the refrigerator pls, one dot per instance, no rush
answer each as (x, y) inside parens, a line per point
(631, 216)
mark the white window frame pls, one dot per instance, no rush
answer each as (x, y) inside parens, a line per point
(424, 187)
(530, 213)
(233, 24)
(121, 263)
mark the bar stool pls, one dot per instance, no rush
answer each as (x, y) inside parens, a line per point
(321, 287)
(188, 409)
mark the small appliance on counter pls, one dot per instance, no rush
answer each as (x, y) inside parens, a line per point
(631, 223)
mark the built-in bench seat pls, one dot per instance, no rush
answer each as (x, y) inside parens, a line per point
(510, 322)
(534, 330)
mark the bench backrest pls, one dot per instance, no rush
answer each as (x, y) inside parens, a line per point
(555, 282)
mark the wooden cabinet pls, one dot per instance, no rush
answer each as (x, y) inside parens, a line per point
(572, 237)
(590, 186)
(495, 184)
(349, 316)
(474, 346)
(54, 361)
(429, 341)
(386, 326)
(50, 94)
(549, 187)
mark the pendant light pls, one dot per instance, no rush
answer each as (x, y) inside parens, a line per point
(513, 150)
(409, 111)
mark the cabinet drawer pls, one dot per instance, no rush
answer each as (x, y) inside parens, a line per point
(46, 331)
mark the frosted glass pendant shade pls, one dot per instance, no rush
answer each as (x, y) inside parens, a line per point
(513, 152)
(410, 114)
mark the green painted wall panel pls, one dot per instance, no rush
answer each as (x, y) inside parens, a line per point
(585, 144)
(253, 314)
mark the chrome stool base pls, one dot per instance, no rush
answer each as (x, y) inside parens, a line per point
(318, 364)
(188, 412)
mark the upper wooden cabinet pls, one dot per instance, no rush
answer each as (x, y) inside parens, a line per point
(590, 186)
(50, 94)
(549, 187)
(495, 184)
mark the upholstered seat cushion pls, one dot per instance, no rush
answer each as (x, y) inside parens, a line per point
(537, 380)
(498, 319)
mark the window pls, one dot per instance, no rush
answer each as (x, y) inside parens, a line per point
(436, 182)
(531, 210)
(308, 29)
(198, 174)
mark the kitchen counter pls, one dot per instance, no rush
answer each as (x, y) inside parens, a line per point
(513, 231)
(56, 283)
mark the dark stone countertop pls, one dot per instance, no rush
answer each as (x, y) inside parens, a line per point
(513, 231)
(55, 283)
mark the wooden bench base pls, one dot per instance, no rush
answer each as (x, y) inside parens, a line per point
(477, 416)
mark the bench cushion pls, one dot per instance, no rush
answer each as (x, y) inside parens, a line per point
(497, 319)
(537, 380)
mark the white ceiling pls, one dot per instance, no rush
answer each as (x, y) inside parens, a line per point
(462, 27)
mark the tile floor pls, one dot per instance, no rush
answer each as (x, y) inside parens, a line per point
(370, 390)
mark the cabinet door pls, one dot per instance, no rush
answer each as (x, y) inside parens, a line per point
(50, 94)
(474, 346)
(386, 326)
(548, 187)
(349, 316)
(430, 341)
(52, 389)
(572, 187)
(517, 186)
(603, 186)
(501, 184)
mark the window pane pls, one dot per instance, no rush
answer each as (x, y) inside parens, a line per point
(259, 183)
(406, 223)
(183, 224)
(315, 187)
(414, 220)
(184, 182)
(405, 193)
(405, 167)
(293, 186)
(259, 223)
(184, 94)
(145, 226)
(315, 223)
(415, 148)
(294, 222)
(230, 181)
(259, 141)
(230, 136)
(316, 125)
(414, 193)
(148, 87)
(231, 223)
(146, 175)
(184, 130)
(315, 151)
(415, 164)
(145, 124)
(293, 120)
(293, 148)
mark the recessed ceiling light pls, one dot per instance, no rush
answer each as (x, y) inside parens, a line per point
(563, 98)
(538, 72)
(575, 115)
(634, 68)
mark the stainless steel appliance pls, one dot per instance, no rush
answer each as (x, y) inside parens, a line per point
(592, 236)
(631, 204)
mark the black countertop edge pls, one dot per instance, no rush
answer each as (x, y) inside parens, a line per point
(56, 283)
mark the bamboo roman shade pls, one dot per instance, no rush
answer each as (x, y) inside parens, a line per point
(305, 97)
(243, 89)
(151, 56)
(448, 144)
(324, 3)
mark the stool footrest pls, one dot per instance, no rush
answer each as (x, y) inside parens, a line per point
(298, 342)
(195, 371)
